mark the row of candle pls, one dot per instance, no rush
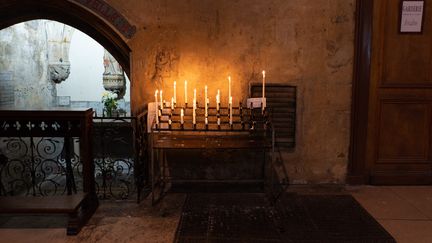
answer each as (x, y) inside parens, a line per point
(160, 106)
(194, 104)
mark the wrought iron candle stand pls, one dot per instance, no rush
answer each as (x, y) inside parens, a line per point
(217, 119)
(244, 129)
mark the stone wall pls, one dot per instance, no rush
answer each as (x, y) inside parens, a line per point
(34, 54)
(304, 43)
(23, 49)
(34, 65)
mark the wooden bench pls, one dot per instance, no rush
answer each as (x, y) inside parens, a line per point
(78, 207)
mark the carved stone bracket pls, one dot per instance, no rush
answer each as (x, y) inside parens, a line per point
(58, 38)
(113, 77)
(115, 83)
(59, 71)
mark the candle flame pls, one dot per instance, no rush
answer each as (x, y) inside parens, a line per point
(263, 73)
(156, 92)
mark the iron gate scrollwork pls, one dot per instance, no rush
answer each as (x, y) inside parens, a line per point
(118, 166)
(32, 164)
(113, 154)
(45, 166)
(38, 166)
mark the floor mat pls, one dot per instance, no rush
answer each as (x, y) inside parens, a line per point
(247, 217)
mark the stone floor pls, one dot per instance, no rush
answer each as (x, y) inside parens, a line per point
(405, 211)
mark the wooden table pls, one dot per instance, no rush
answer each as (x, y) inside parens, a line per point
(57, 122)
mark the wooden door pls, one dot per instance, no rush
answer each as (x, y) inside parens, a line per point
(398, 149)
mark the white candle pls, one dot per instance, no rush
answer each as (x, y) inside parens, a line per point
(172, 104)
(206, 102)
(156, 107)
(181, 116)
(229, 87)
(230, 107)
(194, 114)
(161, 100)
(194, 108)
(263, 84)
(263, 92)
(217, 100)
(185, 98)
(175, 92)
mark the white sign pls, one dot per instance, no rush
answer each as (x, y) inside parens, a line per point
(412, 16)
(256, 102)
(63, 100)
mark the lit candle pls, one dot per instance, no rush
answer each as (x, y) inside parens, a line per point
(181, 116)
(230, 107)
(161, 100)
(205, 101)
(229, 88)
(185, 98)
(263, 84)
(263, 92)
(194, 114)
(175, 92)
(194, 108)
(156, 107)
(217, 100)
(172, 104)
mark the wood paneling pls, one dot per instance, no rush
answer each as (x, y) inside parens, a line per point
(406, 58)
(399, 117)
(360, 92)
(404, 132)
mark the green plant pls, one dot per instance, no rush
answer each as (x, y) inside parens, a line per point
(109, 100)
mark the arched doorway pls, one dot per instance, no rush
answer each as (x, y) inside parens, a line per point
(73, 14)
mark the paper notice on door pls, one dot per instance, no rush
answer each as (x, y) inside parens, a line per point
(412, 16)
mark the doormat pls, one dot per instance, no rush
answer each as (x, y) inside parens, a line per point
(247, 217)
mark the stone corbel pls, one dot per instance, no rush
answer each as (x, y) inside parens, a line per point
(59, 39)
(113, 76)
(59, 72)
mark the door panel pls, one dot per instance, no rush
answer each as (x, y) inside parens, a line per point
(406, 58)
(404, 132)
(400, 100)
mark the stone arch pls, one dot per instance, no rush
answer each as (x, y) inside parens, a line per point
(70, 13)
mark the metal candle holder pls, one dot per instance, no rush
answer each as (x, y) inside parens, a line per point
(243, 118)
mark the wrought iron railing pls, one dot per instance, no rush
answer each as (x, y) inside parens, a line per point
(39, 166)
(118, 164)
